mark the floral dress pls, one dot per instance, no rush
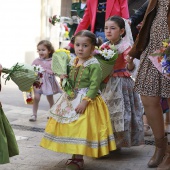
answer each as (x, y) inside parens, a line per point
(124, 104)
(89, 133)
(149, 80)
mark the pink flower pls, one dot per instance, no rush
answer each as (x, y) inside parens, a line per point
(105, 46)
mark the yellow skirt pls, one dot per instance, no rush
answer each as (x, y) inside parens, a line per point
(91, 135)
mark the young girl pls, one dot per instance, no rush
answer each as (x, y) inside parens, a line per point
(81, 126)
(123, 103)
(49, 85)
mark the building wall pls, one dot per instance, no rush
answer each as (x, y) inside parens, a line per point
(66, 7)
(20, 30)
(24, 23)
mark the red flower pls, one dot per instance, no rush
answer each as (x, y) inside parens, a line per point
(29, 100)
(105, 46)
(37, 84)
(41, 75)
(54, 19)
(50, 20)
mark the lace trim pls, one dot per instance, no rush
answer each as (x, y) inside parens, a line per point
(91, 61)
(80, 141)
(122, 46)
(86, 63)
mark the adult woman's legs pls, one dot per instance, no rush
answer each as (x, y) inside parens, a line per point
(154, 115)
(165, 165)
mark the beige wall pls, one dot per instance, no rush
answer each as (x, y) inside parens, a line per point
(23, 23)
(66, 7)
(19, 30)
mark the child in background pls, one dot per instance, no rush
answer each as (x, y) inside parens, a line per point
(80, 7)
(50, 85)
(81, 125)
(123, 103)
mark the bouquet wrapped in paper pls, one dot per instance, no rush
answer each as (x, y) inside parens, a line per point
(106, 55)
(161, 58)
(60, 61)
(22, 74)
(29, 95)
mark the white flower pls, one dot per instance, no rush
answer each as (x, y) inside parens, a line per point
(107, 54)
(38, 68)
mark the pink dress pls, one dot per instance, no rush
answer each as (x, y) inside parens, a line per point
(50, 85)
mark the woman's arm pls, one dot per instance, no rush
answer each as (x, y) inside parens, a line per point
(139, 14)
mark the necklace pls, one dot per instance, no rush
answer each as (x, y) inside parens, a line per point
(76, 68)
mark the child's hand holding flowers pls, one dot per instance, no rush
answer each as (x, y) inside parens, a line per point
(130, 63)
(60, 61)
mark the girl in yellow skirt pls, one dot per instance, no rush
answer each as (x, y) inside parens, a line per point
(81, 125)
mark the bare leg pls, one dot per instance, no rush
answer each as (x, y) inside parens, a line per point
(154, 115)
(37, 97)
(165, 165)
(50, 100)
(147, 128)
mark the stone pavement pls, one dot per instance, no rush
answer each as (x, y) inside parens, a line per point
(33, 157)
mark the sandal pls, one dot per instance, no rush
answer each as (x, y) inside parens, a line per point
(33, 118)
(75, 164)
(147, 130)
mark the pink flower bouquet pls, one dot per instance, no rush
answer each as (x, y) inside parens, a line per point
(161, 58)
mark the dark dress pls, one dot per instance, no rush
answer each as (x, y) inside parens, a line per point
(149, 81)
(80, 12)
